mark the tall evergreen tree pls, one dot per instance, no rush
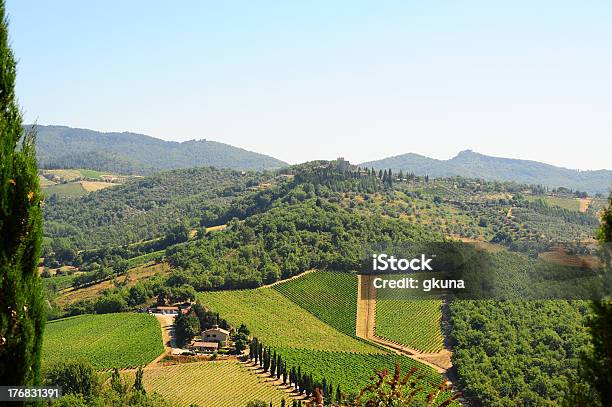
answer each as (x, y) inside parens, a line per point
(22, 315)
(273, 365)
(138, 381)
(597, 363)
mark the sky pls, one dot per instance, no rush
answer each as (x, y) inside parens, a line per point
(305, 80)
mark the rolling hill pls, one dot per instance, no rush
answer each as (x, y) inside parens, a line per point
(474, 165)
(131, 153)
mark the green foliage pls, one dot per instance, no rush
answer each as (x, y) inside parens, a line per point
(416, 324)
(292, 236)
(399, 391)
(138, 381)
(278, 321)
(110, 303)
(186, 326)
(74, 377)
(107, 341)
(329, 296)
(69, 190)
(144, 209)
(517, 352)
(598, 357)
(21, 301)
(352, 371)
(82, 387)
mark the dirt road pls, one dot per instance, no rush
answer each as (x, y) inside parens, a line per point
(167, 327)
(366, 329)
(287, 279)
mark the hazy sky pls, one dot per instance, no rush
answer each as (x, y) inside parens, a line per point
(303, 80)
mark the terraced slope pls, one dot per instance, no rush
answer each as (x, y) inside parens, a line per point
(330, 296)
(107, 341)
(212, 384)
(352, 371)
(412, 323)
(277, 321)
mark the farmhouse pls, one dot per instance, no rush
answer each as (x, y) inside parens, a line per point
(206, 347)
(216, 334)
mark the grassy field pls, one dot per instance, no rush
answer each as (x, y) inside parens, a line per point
(352, 371)
(107, 341)
(330, 296)
(145, 258)
(72, 190)
(60, 282)
(414, 323)
(277, 321)
(211, 384)
(573, 204)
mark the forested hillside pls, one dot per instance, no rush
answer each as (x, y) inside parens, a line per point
(145, 208)
(474, 165)
(321, 215)
(130, 153)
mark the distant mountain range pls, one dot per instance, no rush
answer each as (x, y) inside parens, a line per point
(474, 165)
(130, 153)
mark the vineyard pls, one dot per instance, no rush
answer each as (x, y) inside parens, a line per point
(278, 321)
(353, 371)
(107, 341)
(211, 384)
(329, 296)
(414, 323)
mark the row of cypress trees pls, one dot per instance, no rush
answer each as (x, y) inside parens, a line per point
(272, 362)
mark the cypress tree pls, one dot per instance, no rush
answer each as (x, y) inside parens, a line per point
(324, 386)
(338, 395)
(22, 314)
(329, 393)
(310, 385)
(298, 378)
(273, 364)
(138, 382)
(283, 403)
(279, 366)
(260, 355)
